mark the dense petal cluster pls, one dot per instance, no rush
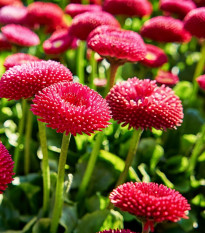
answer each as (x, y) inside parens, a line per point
(20, 35)
(155, 57)
(201, 81)
(194, 22)
(181, 8)
(4, 43)
(165, 29)
(150, 202)
(130, 8)
(84, 23)
(6, 168)
(117, 44)
(59, 42)
(13, 14)
(142, 104)
(45, 13)
(18, 59)
(166, 78)
(76, 9)
(26, 80)
(71, 108)
(10, 2)
(117, 231)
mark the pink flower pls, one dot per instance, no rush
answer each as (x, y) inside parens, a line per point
(10, 2)
(194, 22)
(130, 8)
(4, 43)
(142, 104)
(155, 56)
(84, 23)
(6, 168)
(116, 44)
(59, 42)
(71, 108)
(20, 35)
(150, 202)
(117, 231)
(165, 29)
(18, 59)
(76, 9)
(201, 81)
(26, 80)
(166, 78)
(180, 8)
(13, 14)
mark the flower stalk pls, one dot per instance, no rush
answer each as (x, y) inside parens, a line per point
(80, 61)
(58, 205)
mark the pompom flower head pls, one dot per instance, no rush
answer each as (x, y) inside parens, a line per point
(84, 23)
(142, 104)
(130, 7)
(26, 80)
(166, 78)
(149, 202)
(59, 42)
(20, 35)
(201, 81)
(6, 168)
(155, 57)
(116, 44)
(18, 59)
(44, 13)
(181, 8)
(165, 29)
(194, 22)
(76, 9)
(71, 108)
(13, 14)
(117, 231)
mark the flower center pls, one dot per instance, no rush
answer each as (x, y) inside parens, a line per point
(74, 99)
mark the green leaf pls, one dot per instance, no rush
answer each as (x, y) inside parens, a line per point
(114, 220)
(42, 226)
(96, 202)
(177, 164)
(157, 154)
(183, 89)
(199, 200)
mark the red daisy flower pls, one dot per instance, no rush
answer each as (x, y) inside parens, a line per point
(18, 59)
(4, 43)
(45, 13)
(59, 42)
(84, 23)
(155, 56)
(194, 22)
(10, 2)
(166, 78)
(116, 44)
(76, 9)
(180, 8)
(20, 35)
(13, 14)
(165, 29)
(26, 80)
(130, 8)
(142, 104)
(71, 108)
(6, 168)
(150, 202)
(117, 231)
(201, 81)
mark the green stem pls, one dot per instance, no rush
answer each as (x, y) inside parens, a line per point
(196, 151)
(93, 63)
(58, 205)
(20, 135)
(91, 165)
(28, 141)
(199, 69)
(45, 167)
(132, 151)
(80, 62)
